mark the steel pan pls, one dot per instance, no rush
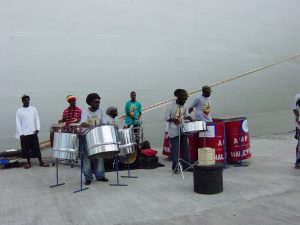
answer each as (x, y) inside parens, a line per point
(193, 127)
(65, 146)
(126, 141)
(59, 127)
(102, 142)
(74, 128)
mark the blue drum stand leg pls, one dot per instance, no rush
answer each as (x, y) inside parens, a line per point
(241, 164)
(128, 168)
(57, 184)
(81, 163)
(225, 166)
(116, 167)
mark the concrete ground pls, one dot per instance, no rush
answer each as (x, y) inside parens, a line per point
(266, 192)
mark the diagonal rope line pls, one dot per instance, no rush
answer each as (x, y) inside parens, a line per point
(159, 104)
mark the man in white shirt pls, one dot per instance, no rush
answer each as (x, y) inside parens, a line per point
(202, 105)
(27, 127)
(296, 110)
(93, 116)
(175, 115)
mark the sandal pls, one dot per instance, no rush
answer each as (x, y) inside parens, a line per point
(42, 164)
(27, 166)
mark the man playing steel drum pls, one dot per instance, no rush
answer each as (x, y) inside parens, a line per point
(72, 114)
(93, 116)
(202, 105)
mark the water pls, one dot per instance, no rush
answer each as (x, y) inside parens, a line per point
(152, 47)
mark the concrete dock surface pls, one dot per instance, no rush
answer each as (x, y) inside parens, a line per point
(266, 192)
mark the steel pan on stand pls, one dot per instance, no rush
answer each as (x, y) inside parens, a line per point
(126, 141)
(56, 127)
(65, 146)
(188, 128)
(194, 127)
(102, 142)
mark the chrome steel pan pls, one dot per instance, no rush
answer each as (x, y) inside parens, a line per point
(102, 142)
(193, 127)
(65, 146)
(126, 141)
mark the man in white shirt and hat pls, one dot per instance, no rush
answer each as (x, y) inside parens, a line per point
(27, 127)
(202, 105)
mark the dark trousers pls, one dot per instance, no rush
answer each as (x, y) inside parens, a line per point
(30, 146)
(185, 148)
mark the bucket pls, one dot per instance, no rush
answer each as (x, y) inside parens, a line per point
(213, 137)
(237, 139)
(208, 179)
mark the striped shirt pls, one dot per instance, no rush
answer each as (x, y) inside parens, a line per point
(72, 115)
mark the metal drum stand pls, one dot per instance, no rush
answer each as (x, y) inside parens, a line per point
(116, 167)
(57, 184)
(81, 144)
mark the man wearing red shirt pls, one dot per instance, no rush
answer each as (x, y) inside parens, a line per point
(72, 114)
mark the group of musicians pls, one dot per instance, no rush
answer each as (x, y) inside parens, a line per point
(28, 125)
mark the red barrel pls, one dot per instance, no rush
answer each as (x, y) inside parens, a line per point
(193, 140)
(214, 138)
(193, 143)
(166, 145)
(237, 139)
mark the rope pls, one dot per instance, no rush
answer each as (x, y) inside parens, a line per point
(159, 104)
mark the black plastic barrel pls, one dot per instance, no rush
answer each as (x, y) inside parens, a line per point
(208, 179)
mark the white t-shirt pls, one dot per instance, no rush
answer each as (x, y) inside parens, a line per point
(111, 120)
(93, 118)
(174, 111)
(27, 121)
(294, 106)
(202, 108)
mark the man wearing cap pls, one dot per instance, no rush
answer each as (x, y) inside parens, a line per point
(202, 105)
(91, 117)
(296, 110)
(72, 114)
(28, 126)
(112, 113)
(175, 114)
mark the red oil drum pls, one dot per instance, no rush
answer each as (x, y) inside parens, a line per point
(166, 145)
(237, 139)
(193, 140)
(214, 138)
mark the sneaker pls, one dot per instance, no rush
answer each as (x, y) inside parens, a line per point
(297, 166)
(103, 179)
(88, 182)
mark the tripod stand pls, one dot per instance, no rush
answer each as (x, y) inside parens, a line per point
(179, 165)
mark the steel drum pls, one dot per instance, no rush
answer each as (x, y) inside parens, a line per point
(126, 141)
(74, 128)
(194, 127)
(65, 146)
(60, 127)
(102, 142)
